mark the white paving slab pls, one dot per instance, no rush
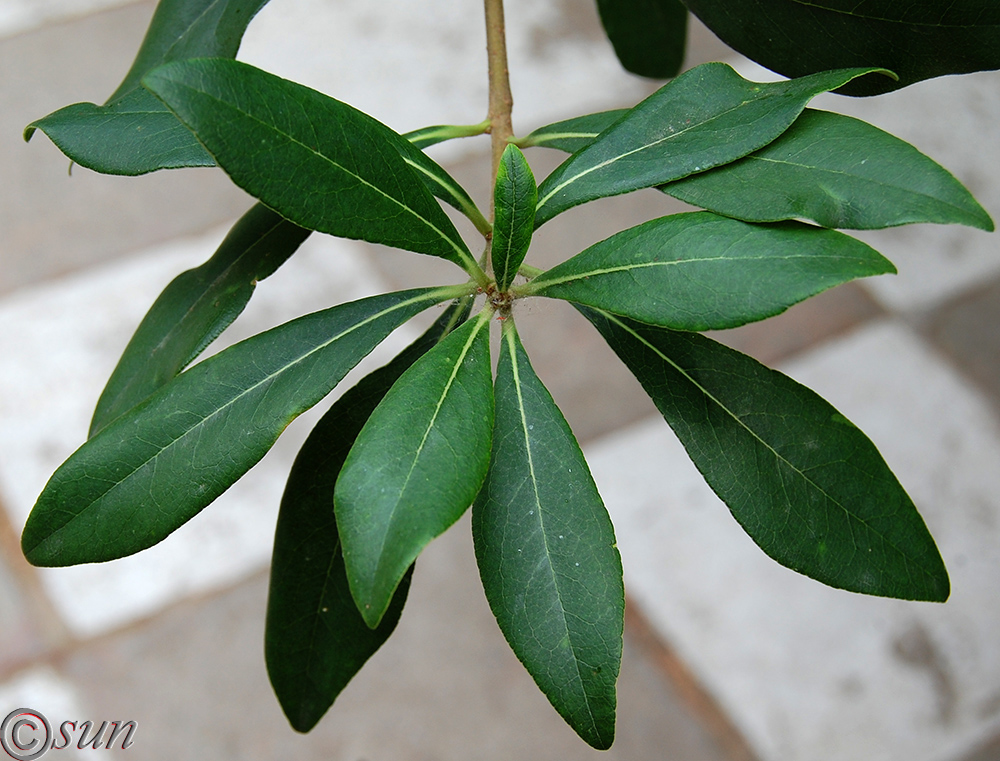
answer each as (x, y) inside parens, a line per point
(59, 343)
(953, 120)
(807, 672)
(42, 689)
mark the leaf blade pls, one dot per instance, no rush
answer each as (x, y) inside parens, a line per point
(318, 162)
(649, 36)
(838, 172)
(156, 466)
(195, 308)
(546, 552)
(515, 195)
(706, 117)
(416, 465)
(808, 487)
(133, 133)
(572, 135)
(315, 638)
(700, 271)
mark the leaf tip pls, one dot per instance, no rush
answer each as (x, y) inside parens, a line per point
(28, 132)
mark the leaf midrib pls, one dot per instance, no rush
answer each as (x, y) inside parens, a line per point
(851, 14)
(541, 521)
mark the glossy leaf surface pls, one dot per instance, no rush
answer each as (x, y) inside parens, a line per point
(155, 467)
(648, 36)
(316, 640)
(195, 308)
(546, 552)
(570, 135)
(808, 487)
(514, 199)
(443, 185)
(133, 133)
(706, 117)
(318, 162)
(417, 464)
(838, 172)
(917, 40)
(700, 271)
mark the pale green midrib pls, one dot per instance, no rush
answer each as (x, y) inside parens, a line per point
(467, 206)
(429, 297)
(543, 285)
(548, 137)
(611, 318)
(653, 144)
(862, 178)
(462, 254)
(511, 347)
(840, 12)
(483, 320)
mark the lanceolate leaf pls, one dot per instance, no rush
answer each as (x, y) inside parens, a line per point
(700, 271)
(917, 40)
(546, 552)
(133, 133)
(195, 308)
(571, 135)
(706, 117)
(838, 172)
(319, 162)
(649, 36)
(514, 199)
(315, 640)
(417, 464)
(155, 467)
(808, 487)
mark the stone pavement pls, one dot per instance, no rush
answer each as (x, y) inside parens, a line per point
(728, 656)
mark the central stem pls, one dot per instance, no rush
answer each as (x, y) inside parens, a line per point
(501, 101)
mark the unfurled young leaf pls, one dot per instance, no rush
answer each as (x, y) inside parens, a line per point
(318, 162)
(417, 464)
(706, 117)
(155, 467)
(807, 486)
(700, 271)
(917, 39)
(133, 133)
(649, 36)
(546, 552)
(316, 640)
(838, 172)
(195, 308)
(514, 198)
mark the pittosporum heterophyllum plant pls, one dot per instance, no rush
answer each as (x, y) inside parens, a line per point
(402, 455)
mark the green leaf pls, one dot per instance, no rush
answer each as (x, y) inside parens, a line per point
(700, 271)
(318, 162)
(648, 36)
(315, 639)
(133, 133)
(547, 554)
(706, 117)
(425, 137)
(195, 308)
(807, 486)
(571, 135)
(417, 464)
(514, 198)
(917, 40)
(155, 467)
(838, 172)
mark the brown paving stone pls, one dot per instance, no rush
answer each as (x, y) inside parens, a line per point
(52, 222)
(445, 686)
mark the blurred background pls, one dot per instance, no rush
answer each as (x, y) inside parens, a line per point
(728, 656)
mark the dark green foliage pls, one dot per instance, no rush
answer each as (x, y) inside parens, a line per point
(401, 456)
(316, 640)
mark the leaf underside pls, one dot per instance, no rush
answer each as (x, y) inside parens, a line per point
(807, 486)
